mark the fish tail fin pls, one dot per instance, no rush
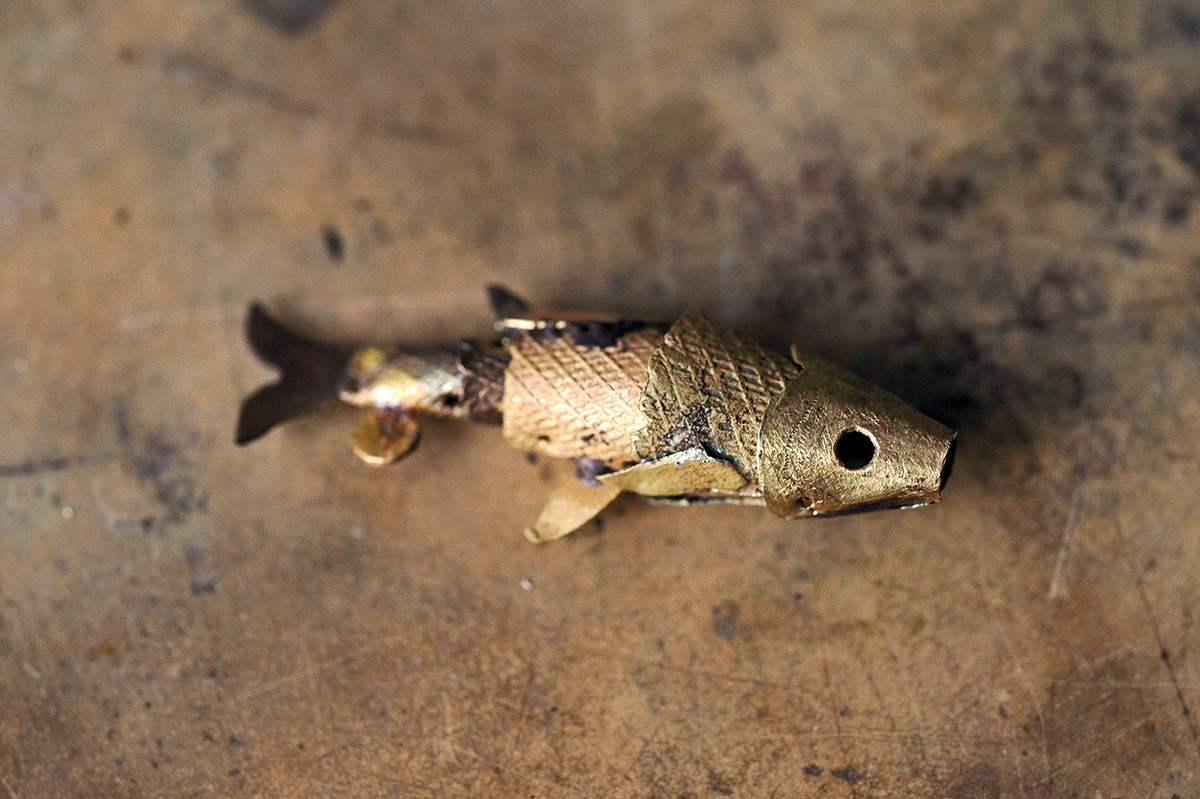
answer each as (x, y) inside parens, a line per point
(310, 370)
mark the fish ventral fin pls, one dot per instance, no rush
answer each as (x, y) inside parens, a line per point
(570, 506)
(310, 372)
(384, 435)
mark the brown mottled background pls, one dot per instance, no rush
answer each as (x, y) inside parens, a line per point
(990, 208)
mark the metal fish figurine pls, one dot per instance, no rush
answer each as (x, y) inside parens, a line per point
(690, 412)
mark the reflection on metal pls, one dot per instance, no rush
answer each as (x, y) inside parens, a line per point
(691, 472)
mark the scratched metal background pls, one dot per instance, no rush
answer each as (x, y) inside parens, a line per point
(991, 208)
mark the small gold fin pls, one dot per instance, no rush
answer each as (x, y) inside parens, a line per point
(570, 506)
(688, 472)
(383, 435)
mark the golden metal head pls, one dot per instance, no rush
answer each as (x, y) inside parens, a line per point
(832, 442)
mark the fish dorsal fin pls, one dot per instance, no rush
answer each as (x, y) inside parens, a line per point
(570, 506)
(384, 435)
(505, 304)
(692, 471)
(513, 315)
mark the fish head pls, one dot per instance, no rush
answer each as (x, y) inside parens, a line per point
(832, 442)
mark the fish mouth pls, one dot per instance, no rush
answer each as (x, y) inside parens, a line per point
(947, 465)
(915, 499)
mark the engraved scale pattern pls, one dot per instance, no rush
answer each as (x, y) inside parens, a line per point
(572, 401)
(709, 386)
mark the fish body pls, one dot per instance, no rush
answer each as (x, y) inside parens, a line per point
(687, 412)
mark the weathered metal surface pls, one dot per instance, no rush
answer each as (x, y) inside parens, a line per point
(989, 210)
(708, 385)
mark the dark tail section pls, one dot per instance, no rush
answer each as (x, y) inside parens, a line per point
(311, 371)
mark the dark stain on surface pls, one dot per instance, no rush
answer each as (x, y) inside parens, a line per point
(1186, 132)
(816, 232)
(849, 774)
(1186, 21)
(200, 587)
(949, 194)
(191, 69)
(1064, 293)
(871, 266)
(1176, 211)
(335, 246)
(38, 466)
(657, 150)
(1079, 77)
(1085, 99)
(719, 783)
(981, 781)
(161, 462)
(290, 16)
(749, 47)
(763, 208)
(725, 616)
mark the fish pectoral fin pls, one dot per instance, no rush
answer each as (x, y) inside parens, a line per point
(570, 506)
(383, 435)
(687, 472)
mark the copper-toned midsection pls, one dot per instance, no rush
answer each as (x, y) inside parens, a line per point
(571, 400)
(482, 367)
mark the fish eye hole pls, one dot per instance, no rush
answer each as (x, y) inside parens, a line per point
(854, 449)
(803, 503)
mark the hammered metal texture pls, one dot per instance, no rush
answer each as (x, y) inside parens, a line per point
(572, 401)
(709, 386)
